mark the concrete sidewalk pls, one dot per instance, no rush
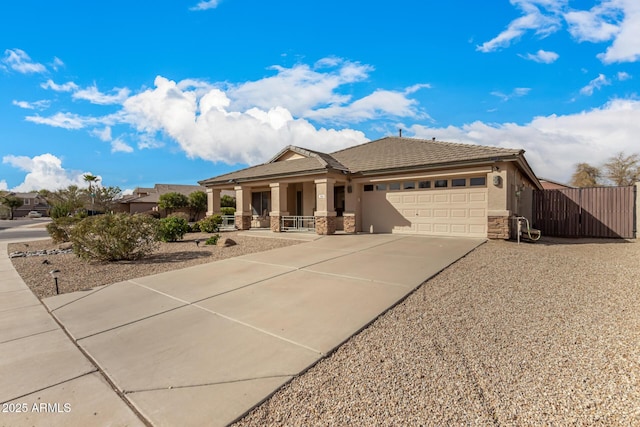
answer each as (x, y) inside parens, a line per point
(203, 345)
(44, 378)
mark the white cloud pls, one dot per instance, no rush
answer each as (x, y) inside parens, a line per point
(542, 56)
(299, 88)
(36, 105)
(622, 76)
(594, 84)
(626, 46)
(103, 135)
(516, 93)
(616, 20)
(66, 87)
(554, 144)
(533, 19)
(119, 146)
(44, 171)
(206, 4)
(93, 95)
(205, 126)
(57, 63)
(60, 120)
(19, 61)
(3, 185)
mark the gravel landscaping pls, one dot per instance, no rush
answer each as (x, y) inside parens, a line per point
(529, 334)
(77, 275)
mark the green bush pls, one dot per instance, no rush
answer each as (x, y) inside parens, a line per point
(114, 237)
(60, 210)
(227, 211)
(60, 228)
(182, 215)
(210, 224)
(172, 228)
(212, 240)
(194, 228)
(152, 214)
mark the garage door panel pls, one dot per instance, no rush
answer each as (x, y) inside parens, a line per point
(446, 212)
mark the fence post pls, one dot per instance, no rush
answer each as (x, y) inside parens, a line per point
(636, 222)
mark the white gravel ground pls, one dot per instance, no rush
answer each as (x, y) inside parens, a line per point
(530, 334)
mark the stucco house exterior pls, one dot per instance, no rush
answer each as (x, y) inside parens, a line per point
(390, 185)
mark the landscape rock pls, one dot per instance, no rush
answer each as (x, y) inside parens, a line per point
(226, 242)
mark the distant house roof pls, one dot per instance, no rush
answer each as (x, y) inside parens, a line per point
(549, 184)
(152, 195)
(383, 155)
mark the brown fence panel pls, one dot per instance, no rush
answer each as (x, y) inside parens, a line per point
(557, 212)
(586, 212)
(608, 212)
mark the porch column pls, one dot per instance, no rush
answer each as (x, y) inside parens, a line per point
(350, 205)
(243, 208)
(213, 201)
(325, 214)
(278, 205)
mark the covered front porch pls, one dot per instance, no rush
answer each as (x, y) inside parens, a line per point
(321, 204)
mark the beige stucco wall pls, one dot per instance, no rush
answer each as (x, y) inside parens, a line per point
(637, 209)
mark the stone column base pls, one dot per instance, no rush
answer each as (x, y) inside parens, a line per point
(275, 224)
(325, 225)
(243, 222)
(349, 223)
(498, 227)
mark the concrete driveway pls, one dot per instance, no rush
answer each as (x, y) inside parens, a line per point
(203, 345)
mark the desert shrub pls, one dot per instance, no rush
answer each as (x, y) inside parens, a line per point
(60, 228)
(60, 210)
(114, 237)
(172, 228)
(212, 240)
(210, 224)
(182, 215)
(227, 210)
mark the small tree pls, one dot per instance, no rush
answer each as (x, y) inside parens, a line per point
(106, 198)
(91, 179)
(585, 176)
(623, 170)
(197, 203)
(172, 201)
(12, 202)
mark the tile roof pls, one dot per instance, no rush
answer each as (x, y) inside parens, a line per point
(396, 153)
(390, 153)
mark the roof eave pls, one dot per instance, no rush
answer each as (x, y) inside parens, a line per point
(235, 181)
(441, 165)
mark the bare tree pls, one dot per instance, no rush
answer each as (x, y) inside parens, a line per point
(586, 176)
(623, 170)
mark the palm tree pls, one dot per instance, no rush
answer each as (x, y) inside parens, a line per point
(91, 179)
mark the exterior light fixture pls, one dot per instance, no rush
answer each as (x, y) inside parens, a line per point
(54, 274)
(197, 242)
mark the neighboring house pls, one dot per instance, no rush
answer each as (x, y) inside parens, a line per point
(548, 184)
(391, 185)
(31, 202)
(146, 199)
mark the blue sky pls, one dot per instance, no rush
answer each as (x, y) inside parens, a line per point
(150, 92)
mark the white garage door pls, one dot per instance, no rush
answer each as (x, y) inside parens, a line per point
(439, 211)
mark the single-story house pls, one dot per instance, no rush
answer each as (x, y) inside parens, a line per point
(146, 199)
(391, 185)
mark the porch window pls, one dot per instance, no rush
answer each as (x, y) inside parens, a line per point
(261, 203)
(368, 187)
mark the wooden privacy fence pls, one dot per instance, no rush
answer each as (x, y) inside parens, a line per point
(586, 212)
